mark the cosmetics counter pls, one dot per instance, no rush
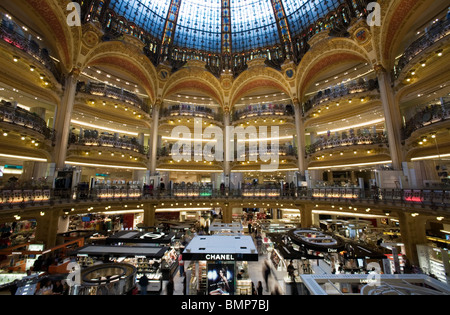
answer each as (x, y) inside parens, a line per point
(214, 261)
(169, 263)
(148, 260)
(106, 279)
(312, 251)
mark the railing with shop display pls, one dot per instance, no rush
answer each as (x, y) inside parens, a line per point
(332, 143)
(438, 31)
(104, 90)
(422, 197)
(431, 114)
(20, 117)
(195, 111)
(355, 89)
(12, 34)
(108, 141)
(263, 110)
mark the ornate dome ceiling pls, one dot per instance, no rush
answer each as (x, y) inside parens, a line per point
(220, 26)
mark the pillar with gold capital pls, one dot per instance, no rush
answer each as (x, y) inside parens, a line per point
(413, 231)
(63, 117)
(150, 214)
(306, 216)
(300, 128)
(393, 118)
(227, 213)
(226, 146)
(47, 228)
(154, 136)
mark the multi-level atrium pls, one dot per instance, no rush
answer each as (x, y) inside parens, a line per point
(318, 128)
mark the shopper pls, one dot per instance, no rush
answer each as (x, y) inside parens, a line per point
(260, 288)
(291, 270)
(143, 283)
(266, 274)
(170, 287)
(181, 265)
(58, 288)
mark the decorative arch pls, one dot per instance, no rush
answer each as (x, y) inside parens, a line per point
(398, 18)
(128, 58)
(194, 78)
(52, 15)
(259, 77)
(323, 54)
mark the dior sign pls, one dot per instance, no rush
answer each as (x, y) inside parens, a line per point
(242, 144)
(74, 16)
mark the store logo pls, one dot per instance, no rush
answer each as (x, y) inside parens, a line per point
(216, 257)
(74, 17)
(374, 17)
(244, 144)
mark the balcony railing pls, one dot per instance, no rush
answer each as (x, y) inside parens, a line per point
(21, 117)
(437, 32)
(195, 111)
(281, 152)
(340, 91)
(91, 138)
(101, 89)
(265, 110)
(430, 115)
(420, 197)
(31, 47)
(331, 143)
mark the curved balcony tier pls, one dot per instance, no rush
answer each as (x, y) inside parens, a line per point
(92, 139)
(110, 93)
(191, 111)
(340, 93)
(264, 111)
(432, 114)
(368, 141)
(13, 35)
(23, 121)
(432, 39)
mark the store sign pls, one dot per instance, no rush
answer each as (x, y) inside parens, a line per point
(228, 257)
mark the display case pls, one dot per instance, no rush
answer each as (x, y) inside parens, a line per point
(169, 264)
(152, 268)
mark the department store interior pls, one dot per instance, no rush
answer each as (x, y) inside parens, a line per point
(186, 147)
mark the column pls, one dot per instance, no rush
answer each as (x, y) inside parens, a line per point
(154, 137)
(300, 128)
(226, 144)
(413, 230)
(47, 228)
(227, 213)
(63, 117)
(149, 214)
(306, 216)
(393, 118)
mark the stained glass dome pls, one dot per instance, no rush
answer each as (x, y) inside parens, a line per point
(223, 25)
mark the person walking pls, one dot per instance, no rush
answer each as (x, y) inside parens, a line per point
(259, 288)
(170, 287)
(143, 283)
(266, 274)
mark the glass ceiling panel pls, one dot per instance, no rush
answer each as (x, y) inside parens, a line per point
(199, 25)
(151, 15)
(303, 13)
(253, 24)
